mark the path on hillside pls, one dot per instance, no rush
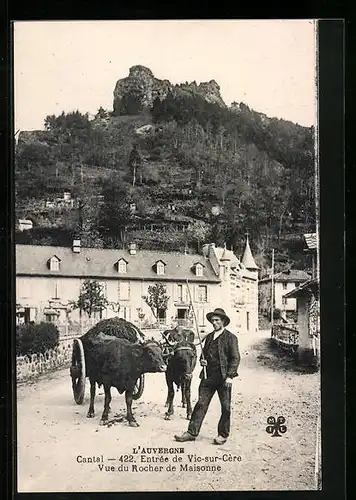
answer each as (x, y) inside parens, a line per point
(53, 432)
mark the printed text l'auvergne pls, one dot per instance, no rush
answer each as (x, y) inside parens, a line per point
(156, 451)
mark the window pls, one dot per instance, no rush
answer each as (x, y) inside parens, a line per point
(199, 270)
(201, 317)
(56, 290)
(284, 301)
(182, 293)
(161, 316)
(27, 315)
(102, 285)
(124, 290)
(98, 314)
(125, 313)
(202, 293)
(54, 263)
(284, 286)
(51, 318)
(160, 268)
(122, 267)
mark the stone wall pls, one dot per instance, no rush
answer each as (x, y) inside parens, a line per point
(28, 367)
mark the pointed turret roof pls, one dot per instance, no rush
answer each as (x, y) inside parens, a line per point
(247, 259)
(225, 255)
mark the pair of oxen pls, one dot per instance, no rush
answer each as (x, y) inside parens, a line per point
(115, 353)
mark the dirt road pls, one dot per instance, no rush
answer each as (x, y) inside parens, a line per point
(59, 449)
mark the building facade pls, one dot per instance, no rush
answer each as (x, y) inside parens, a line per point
(49, 278)
(308, 310)
(284, 282)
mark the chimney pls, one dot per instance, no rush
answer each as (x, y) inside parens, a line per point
(132, 248)
(205, 250)
(211, 249)
(76, 246)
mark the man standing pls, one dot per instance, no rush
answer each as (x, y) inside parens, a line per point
(221, 358)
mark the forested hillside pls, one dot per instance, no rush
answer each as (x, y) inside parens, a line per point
(194, 171)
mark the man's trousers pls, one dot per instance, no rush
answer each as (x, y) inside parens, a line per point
(207, 390)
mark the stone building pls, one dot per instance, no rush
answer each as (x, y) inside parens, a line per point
(284, 282)
(308, 323)
(48, 278)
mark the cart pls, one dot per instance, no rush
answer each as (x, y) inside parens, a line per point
(116, 327)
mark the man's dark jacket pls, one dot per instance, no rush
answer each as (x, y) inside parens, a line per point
(229, 355)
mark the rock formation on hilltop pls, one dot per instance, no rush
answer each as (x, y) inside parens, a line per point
(211, 92)
(137, 92)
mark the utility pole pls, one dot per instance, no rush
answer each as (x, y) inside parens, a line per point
(272, 292)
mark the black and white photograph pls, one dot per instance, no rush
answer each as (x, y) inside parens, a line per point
(167, 256)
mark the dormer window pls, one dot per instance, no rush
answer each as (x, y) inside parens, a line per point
(198, 269)
(122, 266)
(54, 263)
(160, 267)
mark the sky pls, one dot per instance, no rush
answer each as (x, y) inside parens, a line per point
(74, 65)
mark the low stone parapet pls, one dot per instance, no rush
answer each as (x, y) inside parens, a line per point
(33, 365)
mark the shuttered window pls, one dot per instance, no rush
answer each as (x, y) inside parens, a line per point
(202, 293)
(125, 313)
(182, 293)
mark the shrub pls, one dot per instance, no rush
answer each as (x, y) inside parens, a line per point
(276, 314)
(34, 338)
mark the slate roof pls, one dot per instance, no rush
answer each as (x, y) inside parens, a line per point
(310, 240)
(225, 254)
(31, 260)
(296, 275)
(247, 259)
(309, 287)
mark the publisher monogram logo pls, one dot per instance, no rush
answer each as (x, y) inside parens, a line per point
(276, 427)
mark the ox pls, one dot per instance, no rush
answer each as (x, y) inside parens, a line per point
(116, 362)
(181, 362)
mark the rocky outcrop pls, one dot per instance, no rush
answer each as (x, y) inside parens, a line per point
(137, 92)
(211, 92)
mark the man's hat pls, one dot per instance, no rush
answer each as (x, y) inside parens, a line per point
(221, 313)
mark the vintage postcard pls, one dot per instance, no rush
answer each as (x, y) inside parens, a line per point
(167, 256)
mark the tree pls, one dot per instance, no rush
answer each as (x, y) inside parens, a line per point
(88, 222)
(157, 299)
(90, 236)
(91, 298)
(135, 163)
(115, 213)
(102, 113)
(198, 231)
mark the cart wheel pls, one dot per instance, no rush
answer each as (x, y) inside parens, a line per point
(77, 371)
(139, 386)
